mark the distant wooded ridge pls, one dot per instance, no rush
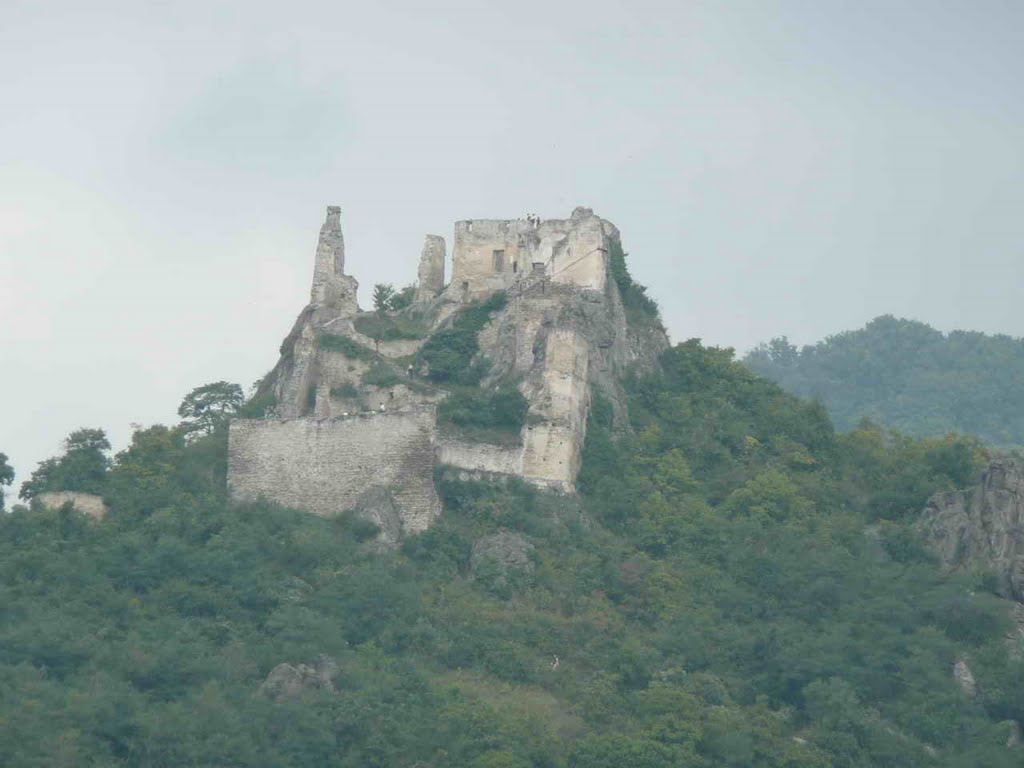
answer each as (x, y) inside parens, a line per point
(908, 376)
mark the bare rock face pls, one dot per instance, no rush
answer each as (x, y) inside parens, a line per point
(87, 503)
(982, 527)
(377, 506)
(965, 678)
(287, 681)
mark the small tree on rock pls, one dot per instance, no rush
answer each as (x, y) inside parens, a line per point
(382, 296)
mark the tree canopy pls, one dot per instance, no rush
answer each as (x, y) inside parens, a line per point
(736, 585)
(82, 467)
(6, 477)
(909, 376)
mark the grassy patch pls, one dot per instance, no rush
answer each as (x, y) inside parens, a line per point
(390, 328)
(382, 375)
(346, 346)
(346, 391)
(495, 416)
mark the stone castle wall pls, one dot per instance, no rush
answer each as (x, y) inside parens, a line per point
(325, 465)
(339, 437)
(480, 457)
(492, 254)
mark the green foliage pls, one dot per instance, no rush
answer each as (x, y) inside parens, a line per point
(908, 376)
(345, 345)
(482, 412)
(257, 406)
(640, 308)
(390, 327)
(402, 299)
(345, 391)
(383, 293)
(736, 586)
(6, 477)
(449, 352)
(209, 407)
(82, 467)
(381, 374)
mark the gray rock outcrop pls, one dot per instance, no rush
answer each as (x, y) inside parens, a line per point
(377, 506)
(964, 678)
(287, 681)
(982, 528)
(501, 556)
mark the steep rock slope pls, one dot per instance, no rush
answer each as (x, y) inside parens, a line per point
(982, 528)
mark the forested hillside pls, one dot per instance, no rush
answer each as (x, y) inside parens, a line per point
(738, 585)
(908, 376)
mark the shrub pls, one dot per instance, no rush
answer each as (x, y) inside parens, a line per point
(504, 408)
(381, 375)
(449, 353)
(386, 328)
(346, 346)
(345, 391)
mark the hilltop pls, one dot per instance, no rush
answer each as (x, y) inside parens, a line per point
(908, 376)
(727, 582)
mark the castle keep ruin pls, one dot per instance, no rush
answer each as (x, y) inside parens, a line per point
(366, 404)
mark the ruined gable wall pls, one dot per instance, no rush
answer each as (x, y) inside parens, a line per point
(324, 466)
(473, 273)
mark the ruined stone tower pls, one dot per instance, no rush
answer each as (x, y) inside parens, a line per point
(359, 421)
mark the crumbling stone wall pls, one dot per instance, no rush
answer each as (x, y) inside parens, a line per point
(339, 434)
(493, 254)
(431, 271)
(480, 457)
(325, 465)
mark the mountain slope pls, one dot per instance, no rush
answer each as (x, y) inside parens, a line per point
(908, 376)
(737, 585)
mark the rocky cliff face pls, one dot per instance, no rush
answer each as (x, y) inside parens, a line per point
(349, 383)
(982, 527)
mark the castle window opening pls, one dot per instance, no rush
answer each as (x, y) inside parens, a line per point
(515, 267)
(499, 261)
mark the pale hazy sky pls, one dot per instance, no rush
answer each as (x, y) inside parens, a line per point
(776, 167)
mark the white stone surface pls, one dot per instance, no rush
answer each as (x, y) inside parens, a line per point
(86, 503)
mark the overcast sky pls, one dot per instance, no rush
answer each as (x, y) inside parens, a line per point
(775, 168)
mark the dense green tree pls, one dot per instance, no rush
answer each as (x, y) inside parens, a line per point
(209, 407)
(736, 585)
(383, 293)
(6, 477)
(82, 467)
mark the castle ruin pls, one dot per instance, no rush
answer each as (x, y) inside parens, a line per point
(356, 403)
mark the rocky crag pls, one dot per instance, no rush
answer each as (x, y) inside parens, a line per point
(490, 374)
(982, 528)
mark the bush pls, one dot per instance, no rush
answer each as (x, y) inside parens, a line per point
(388, 328)
(504, 409)
(449, 353)
(639, 306)
(381, 375)
(346, 346)
(346, 391)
